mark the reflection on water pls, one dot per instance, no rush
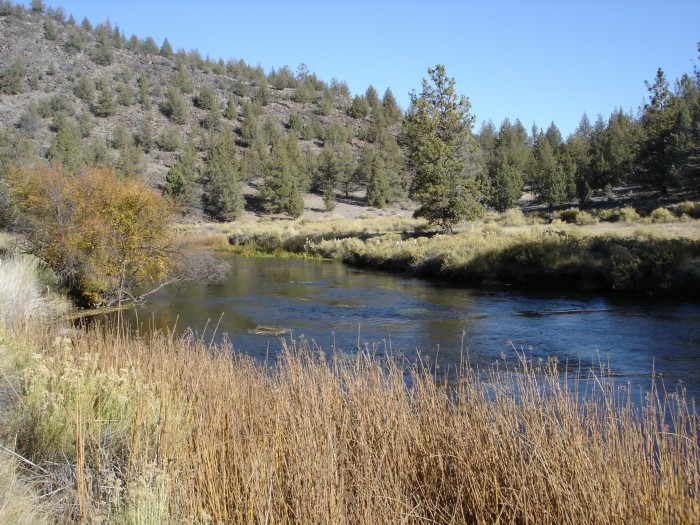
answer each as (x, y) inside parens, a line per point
(329, 303)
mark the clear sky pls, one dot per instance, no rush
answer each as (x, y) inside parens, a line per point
(541, 61)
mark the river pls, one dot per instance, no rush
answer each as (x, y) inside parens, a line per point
(333, 305)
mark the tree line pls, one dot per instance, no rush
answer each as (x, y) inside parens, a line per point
(361, 146)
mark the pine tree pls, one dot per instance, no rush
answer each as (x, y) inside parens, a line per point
(378, 191)
(85, 89)
(280, 190)
(65, 146)
(372, 97)
(145, 138)
(223, 198)
(231, 111)
(390, 107)
(442, 153)
(166, 49)
(144, 96)
(174, 106)
(180, 182)
(105, 105)
(506, 164)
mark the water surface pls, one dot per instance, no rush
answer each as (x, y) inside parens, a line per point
(333, 305)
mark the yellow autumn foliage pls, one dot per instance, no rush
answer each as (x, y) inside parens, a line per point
(103, 234)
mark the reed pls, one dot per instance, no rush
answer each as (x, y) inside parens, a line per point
(205, 436)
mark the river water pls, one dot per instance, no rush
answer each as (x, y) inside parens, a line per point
(333, 305)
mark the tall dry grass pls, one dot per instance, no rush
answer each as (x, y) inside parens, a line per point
(161, 429)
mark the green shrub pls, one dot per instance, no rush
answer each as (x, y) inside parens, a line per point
(661, 215)
(513, 217)
(169, 139)
(608, 215)
(628, 214)
(568, 216)
(583, 218)
(689, 208)
(11, 78)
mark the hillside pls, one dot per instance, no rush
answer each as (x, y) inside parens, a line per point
(225, 139)
(55, 70)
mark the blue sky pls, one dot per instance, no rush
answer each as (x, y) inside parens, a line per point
(539, 61)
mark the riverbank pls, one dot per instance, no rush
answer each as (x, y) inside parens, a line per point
(631, 255)
(114, 436)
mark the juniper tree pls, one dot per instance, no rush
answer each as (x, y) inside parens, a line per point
(231, 111)
(390, 107)
(85, 89)
(105, 105)
(223, 199)
(181, 180)
(174, 106)
(11, 78)
(166, 49)
(144, 96)
(65, 146)
(280, 190)
(441, 151)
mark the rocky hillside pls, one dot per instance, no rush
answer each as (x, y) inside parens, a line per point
(137, 103)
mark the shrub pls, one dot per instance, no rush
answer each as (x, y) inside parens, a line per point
(583, 218)
(661, 215)
(568, 216)
(691, 209)
(169, 139)
(11, 77)
(113, 237)
(514, 217)
(628, 214)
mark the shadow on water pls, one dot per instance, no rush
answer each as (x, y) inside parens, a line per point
(333, 306)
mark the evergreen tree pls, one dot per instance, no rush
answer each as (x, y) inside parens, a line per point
(506, 164)
(280, 191)
(130, 161)
(174, 106)
(359, 108)
(85, 89)
(166, 49)
(255, 159)
(180, 182)
(550, 183)
(105, 105)
(206, 99)
(125, 94)
(85, 123)
(145, 138)
(231, 111)
(65, 146)
(329, 200)
(378, 191)
(11, 77)
(345, 168)
(442, 153)
(144, 96)
(250, 126)
(372, 97)
(390, 107)
(658, 120)
(506, 185)
(223, 198)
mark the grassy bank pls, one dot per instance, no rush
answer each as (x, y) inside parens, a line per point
(632, 254)
(163, 429)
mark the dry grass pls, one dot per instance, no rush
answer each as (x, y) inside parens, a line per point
(19, 501)
(642, 257)
(165, 430)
